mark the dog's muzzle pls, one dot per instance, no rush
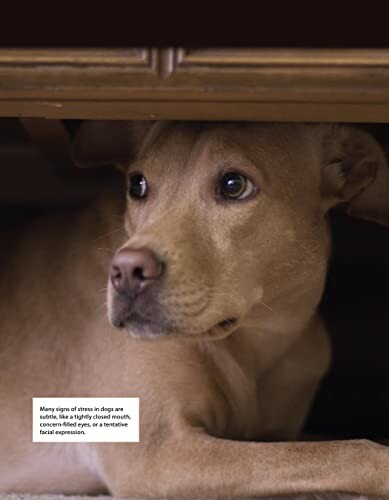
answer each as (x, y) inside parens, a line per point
(136, 279)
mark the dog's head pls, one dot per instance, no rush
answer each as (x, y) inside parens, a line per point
(229, 221)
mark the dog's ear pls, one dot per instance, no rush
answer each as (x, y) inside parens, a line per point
(355, 173)
(108, 142)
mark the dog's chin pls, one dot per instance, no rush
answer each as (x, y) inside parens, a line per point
(144, 328)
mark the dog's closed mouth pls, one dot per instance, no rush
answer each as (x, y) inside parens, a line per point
(141, 326)
(138, 325)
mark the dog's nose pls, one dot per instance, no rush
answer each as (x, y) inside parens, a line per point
(133, 270)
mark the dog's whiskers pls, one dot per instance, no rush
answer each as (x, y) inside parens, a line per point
(101, 306)
(108, 234)
(107, 249)
(266, 305)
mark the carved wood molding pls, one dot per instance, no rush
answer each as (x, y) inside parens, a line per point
(185, 83)
(251, 58)
(135, 57)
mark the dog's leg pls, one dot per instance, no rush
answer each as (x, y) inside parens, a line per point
(201, 465)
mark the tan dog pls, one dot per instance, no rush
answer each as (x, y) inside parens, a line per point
(221, 267)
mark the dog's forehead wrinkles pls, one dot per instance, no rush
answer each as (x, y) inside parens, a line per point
(188, 141)
(168, 140)
(181, 144)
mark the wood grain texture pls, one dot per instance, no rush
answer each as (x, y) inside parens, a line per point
(297, 496)
(201, 84)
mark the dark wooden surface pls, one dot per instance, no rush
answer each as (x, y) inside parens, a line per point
(297, 496)
(276, 84)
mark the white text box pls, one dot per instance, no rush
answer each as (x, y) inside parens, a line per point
(85, 420)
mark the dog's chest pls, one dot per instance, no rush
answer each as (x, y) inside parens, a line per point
(255, 412)
(238, 390)
(256, 408)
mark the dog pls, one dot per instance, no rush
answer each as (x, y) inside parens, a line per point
(215, 251)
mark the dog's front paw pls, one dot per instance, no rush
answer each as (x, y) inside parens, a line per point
(375, 461)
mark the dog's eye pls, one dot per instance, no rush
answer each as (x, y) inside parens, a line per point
(137, 186)
(235, 186)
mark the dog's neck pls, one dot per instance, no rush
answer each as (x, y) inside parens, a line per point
(263, 340)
